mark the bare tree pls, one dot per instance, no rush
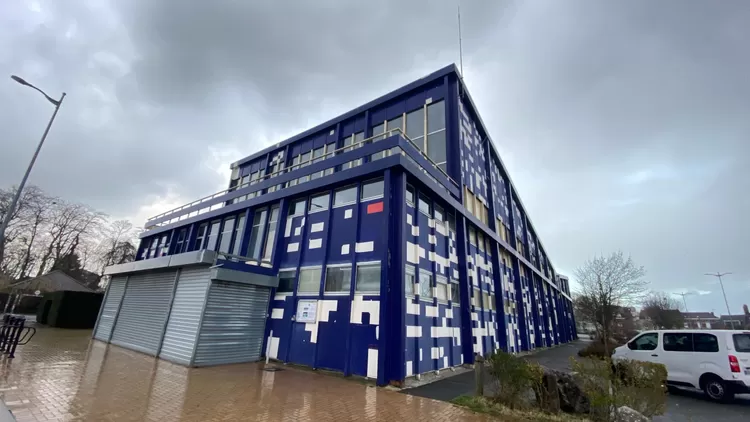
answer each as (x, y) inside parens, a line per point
(606, 284)
(663, 311)
(31, 198)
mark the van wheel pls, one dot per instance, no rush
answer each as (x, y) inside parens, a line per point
(717, 390)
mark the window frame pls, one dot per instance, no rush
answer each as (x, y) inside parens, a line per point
(239, 231)
(356, 277)
(454, 285)
(232, 219)
(343, 189)
(422, 198)
(670, 347)
(410, 189)
(410, 270)
(211, 225)
(326, 194)
(294, 203)
(299, 280)
(363, 198)
(633, 342)
(294, 281)
(476, 297)
(426, 273)
(269, 248)
(716, 342)
(442, 281)
(337, 292)
(200, 238)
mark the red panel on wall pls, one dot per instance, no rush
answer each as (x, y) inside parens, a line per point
(375, 207)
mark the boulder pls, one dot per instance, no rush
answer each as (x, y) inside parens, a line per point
(626, 414)
(572, 398)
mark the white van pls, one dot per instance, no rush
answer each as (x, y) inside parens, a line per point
(716, 361)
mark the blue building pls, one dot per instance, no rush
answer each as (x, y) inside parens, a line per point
(386, 243)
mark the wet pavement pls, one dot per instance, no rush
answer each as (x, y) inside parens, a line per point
(63, 375)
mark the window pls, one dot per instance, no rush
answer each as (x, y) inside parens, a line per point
(425, 284)
(476, 298)
(318, 157)
(378, 130)
(304, 162)
(238, 232)
(706, 343)
(441, 288)
(468, 200)
(480, 241)
(368, 278)
(415, 126)
(297, 207)
(424, 205)
(409, 195)
(180, 241)
(348, 142)
(330, 148)
(741, 342)
(286, 281)
(472, 236)
(163, 246)
(213, 235)
(295, 166)
(309, 280)
(452, 222)
(436, 133)
(200, 236)
(396, 123)
(226, 235)
(271, 233)
(318, 203)
(455, 295)
(256, 236)
(410, 281)
(372, 189)
(345, 196)
(338, 279)
(439, 215)
(647, 341)
(253, 180)
(489, 246)
(152, 248)
(678, 342)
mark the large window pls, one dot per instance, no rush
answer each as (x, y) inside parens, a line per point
(489, 301)
(271, 233)
(318, 203)
(415, 126)
(256, 235)
(295, 166)
(318, 157)
(200, 236)
(213, 235)
(455, 295)
(409, 195)
(338, 279)
(424, 205)
(372, 189)
(297, 207)
(351, 142)
(472, 236)
(410, 281)
(304, 162)
(648, 341)
(368, 278)
(436, 134)
(425, 284)
(238, 232)
(163, 245)
(180, 244)
(226, 235)
(309, 280)
(476, 298)
(286, 281)
(345, 196)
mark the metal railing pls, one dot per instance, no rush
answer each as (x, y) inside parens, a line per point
(297, 166)
(14, 333)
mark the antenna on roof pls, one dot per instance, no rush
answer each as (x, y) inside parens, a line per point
(460, 49)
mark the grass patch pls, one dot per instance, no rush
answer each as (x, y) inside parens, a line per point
(487, 406)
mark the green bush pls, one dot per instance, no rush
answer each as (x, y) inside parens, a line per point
(638, 385)
(514, 378)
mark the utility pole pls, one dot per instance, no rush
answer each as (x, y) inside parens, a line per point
(683, 299)
(726, 302)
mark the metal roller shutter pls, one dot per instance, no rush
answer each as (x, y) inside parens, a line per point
(144, 311)
(182, 328)
(115, 291)
(233, 324)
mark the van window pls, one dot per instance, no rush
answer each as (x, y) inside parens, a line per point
(742, 342)
(647, 341)
(678, 342)
(705, 343)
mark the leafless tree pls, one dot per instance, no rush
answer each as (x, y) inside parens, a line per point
(663, 311)
(30, 202)
(605, 284)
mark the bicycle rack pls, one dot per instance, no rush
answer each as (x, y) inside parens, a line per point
(14, 333)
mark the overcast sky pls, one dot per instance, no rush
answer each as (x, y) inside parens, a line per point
(624, 126)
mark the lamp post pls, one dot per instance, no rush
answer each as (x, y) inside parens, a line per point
(11, 209)
(726, 302)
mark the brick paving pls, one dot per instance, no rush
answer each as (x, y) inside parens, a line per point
(62, 375)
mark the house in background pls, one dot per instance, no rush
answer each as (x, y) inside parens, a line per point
(705, 320)
(25, 297)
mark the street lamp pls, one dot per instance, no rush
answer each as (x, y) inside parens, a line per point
(726, 302)
(11, 209)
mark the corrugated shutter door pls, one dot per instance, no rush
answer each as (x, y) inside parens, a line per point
(144, 311)
(233, 324)
(106, 321)
(182, 328)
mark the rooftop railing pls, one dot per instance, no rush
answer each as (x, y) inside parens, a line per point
(212, 202)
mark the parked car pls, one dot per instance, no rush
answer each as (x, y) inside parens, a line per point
(716, 361)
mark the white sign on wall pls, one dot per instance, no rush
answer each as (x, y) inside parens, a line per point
(307, 311)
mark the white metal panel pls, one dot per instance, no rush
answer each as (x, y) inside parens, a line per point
(144, 311)
(115, 291)
(182, 328)
(233, 324)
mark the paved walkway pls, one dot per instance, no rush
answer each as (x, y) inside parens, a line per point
(63, 375)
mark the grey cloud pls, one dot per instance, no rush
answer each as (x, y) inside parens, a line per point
(623, 124)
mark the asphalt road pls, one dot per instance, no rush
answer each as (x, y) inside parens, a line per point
(683, 406)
